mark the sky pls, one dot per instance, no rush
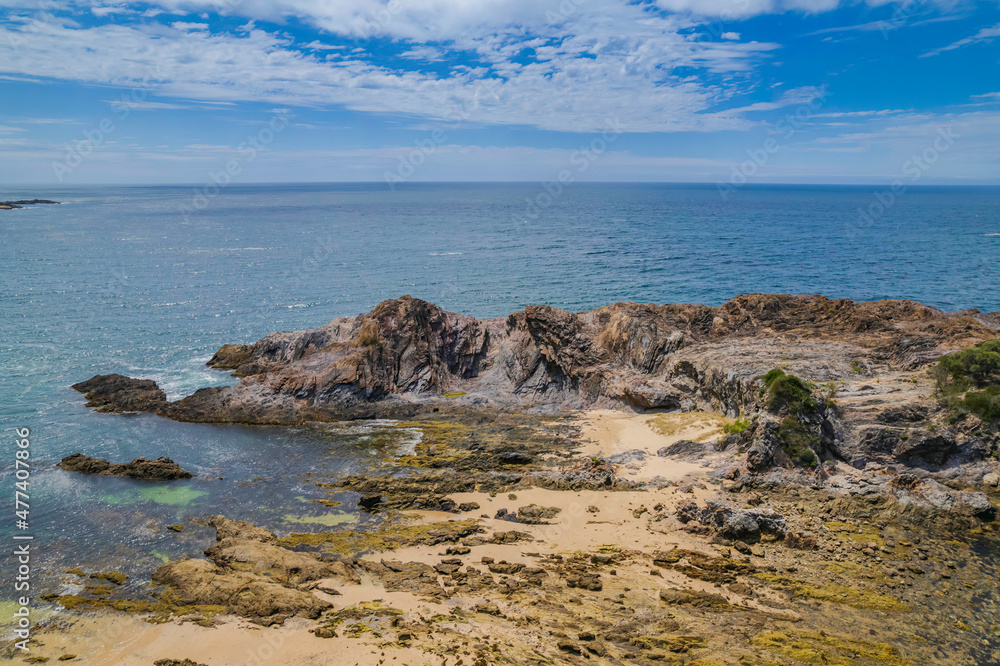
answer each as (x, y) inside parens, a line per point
(717, 91)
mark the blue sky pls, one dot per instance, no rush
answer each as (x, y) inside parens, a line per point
(724, 91)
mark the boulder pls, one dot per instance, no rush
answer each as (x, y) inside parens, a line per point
(117, 393)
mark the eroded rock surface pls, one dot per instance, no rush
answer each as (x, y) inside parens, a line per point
(161, 469)
(645, 356)
(250, 575)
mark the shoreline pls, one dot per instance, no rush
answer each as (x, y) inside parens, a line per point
(781, 594)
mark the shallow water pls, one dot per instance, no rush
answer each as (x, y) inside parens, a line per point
(119, 280)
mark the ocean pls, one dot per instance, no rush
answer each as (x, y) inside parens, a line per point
(150, 281)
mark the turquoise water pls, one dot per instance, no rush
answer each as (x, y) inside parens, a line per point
(123, 280)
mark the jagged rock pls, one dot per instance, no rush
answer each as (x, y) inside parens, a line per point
(992, 479)
(910, 490)
(903, 414)
(732, 524)
(683, 448)
(932, 450)
(117, 393)
(230, 357)
(623, 354)
(161, 469)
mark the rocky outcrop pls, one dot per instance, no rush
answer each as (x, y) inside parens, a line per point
(161, 469)
(12, 205)
(408, 357)
(250, 575)
(731, 524)
(117, 393)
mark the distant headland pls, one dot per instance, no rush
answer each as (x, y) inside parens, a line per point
(11, 205)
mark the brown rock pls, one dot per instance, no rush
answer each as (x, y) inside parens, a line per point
(161, 469)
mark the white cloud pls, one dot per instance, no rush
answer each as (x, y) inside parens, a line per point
(320, 46)
(142, 105)
(791, 97)
(427, 53)
(183, 25)
(985, 35)
(605, 64)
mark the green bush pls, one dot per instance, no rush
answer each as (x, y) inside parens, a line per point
(969, 381)
(737, 426)
(787, 391)
(798, 442)
(985, 403)
(974, 367)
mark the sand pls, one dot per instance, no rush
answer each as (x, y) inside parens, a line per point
(586, 521)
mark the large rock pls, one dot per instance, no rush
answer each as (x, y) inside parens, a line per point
(161, 469)
(117, 393)
(252, 576)
(409, 358)
(245, 547)
(242, 593)
(732, 524)
(927, 494)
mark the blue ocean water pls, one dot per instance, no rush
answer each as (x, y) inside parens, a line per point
(150, 281)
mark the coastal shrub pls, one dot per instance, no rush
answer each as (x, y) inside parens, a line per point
(787, 391)
(974, 367)
(985, 403)
(798, 442)
(737, 426)
(969, 381)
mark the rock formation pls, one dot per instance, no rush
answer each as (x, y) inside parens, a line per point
(11, 205)
(408, 357)
(161, 469)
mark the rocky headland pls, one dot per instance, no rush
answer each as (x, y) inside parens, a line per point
(817, 379)
(777, 480)
(13, 205)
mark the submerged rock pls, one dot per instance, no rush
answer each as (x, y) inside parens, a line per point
(161, 469)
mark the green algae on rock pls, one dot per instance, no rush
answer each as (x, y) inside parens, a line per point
(386, 538)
